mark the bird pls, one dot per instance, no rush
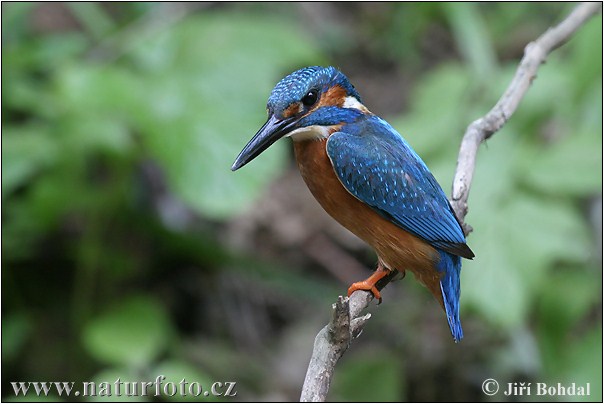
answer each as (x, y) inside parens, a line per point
(368, 178)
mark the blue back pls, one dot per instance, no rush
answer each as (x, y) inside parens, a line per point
(377, 166)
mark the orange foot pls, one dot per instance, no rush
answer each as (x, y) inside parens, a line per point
(369, 283)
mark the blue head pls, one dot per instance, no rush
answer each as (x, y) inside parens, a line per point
(310, 102)
(302, 90)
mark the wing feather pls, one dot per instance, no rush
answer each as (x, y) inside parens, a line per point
(377, 166)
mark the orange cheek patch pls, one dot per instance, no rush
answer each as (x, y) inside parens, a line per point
(292, 110)
(333, 97)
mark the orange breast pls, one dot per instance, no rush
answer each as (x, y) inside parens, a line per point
(396, 248)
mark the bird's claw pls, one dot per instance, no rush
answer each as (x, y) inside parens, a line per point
(365, 285)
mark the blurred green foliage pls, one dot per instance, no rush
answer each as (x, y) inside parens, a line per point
(99, 282)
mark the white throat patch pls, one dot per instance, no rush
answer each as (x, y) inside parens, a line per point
(353, 103)
(309, 133)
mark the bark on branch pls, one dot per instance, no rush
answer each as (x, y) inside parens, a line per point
(334, 339)
(347, 322)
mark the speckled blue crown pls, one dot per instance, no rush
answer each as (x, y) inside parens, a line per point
(295, 85)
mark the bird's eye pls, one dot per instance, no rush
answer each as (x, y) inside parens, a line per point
(310, 98)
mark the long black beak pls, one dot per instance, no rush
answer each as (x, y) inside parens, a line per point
(273, 130)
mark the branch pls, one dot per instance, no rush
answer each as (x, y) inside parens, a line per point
(483, 128)
(347, 324)
(334, 339)
(330, 344)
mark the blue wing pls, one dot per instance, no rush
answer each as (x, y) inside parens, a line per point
(377, 166)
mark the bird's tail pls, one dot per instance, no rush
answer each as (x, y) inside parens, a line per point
(450, 266)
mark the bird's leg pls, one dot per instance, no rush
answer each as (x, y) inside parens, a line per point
(369, 283)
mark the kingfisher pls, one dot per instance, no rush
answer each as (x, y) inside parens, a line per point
(367, 177)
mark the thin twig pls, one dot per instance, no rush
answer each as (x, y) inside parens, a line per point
(333, 340)
(483, 128)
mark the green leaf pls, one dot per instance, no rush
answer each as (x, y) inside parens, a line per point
(472, 38)
(584, 59)
(370, 377)
(517, 236)
(93, 18)
(490, 284)
(212, 75)
(546, 231)
(584, 364)
(518, 241)
(569, 296)
(17, 328)
(15, 20)
(572, 166)
(436, 120)
(131, 333)
(26, 150)
(110, 91)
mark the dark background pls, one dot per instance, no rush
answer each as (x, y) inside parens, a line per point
(129, 248)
